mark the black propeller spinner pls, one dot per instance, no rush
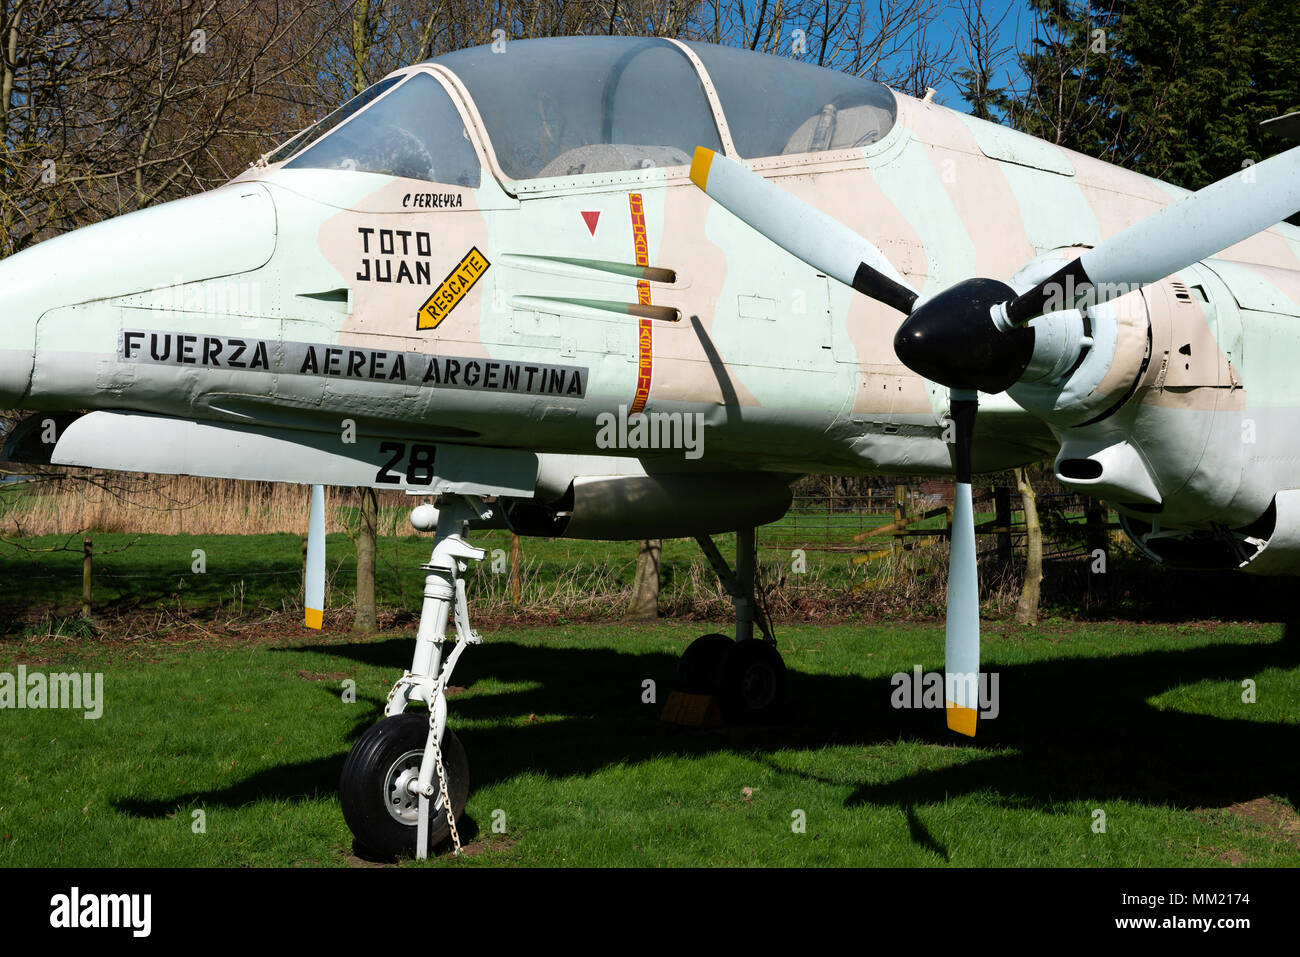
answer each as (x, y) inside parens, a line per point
(953, 340)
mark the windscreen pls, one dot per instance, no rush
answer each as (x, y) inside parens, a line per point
(321, 127)
(414, 131)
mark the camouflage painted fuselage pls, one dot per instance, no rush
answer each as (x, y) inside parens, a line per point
(513, 314)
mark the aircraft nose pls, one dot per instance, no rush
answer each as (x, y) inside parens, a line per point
(58, 321)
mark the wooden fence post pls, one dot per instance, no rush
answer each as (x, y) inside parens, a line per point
(900, 517)
(86, 562)
(514, 569)
(1002, 520)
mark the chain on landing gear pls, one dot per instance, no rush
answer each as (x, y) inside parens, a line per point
(387, 790)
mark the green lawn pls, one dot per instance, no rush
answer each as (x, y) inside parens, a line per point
(1145, 723)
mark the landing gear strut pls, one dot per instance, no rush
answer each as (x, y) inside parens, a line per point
(406, 779)
(747, 676)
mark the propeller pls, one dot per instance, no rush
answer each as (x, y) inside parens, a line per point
(801, 230)
(314, 593)
(975, 335)
(1172, 238)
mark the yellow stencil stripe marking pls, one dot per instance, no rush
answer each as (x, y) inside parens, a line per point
(452, 290)
(645, 337)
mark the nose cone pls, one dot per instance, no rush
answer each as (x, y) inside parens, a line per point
(223, 232)
(951, 339)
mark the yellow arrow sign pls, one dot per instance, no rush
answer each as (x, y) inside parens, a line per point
(452, 290)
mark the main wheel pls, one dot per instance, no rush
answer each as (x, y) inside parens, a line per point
(751, 683)
(381, 812)
(698, 668)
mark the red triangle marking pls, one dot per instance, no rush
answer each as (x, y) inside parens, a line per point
(591, 217)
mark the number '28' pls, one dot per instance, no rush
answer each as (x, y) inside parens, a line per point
(419, 463)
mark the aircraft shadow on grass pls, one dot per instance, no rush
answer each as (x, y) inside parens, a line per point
(1068, 729)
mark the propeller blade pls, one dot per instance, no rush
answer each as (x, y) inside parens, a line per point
(962, 633)
(1195, 228)
(801, 230)
(314, 594)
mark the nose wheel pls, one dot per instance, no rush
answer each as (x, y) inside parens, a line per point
(406, 780)
(377, 787)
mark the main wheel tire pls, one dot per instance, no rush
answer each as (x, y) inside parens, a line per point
(752, 683)
(384, 816)
(697, 671)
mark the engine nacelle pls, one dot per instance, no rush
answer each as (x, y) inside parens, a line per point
(1191, 437)
(1269, 546)
(1151, 417)
(672, 505)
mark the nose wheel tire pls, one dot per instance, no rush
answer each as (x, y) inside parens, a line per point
(379, 808)
(751, 683)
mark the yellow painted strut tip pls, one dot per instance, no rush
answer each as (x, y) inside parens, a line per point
(962, 720)
(315, 618)
(700, 166)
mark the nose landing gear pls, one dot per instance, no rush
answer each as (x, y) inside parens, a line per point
(406, 780)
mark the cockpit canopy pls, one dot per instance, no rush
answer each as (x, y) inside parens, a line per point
(776, 106)
(567, 106)
(570, 105)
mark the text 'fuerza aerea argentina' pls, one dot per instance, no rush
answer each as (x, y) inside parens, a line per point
(349, 362)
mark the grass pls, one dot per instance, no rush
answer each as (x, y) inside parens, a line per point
(1143, 722)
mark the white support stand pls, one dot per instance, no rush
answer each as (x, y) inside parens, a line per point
(444, 598)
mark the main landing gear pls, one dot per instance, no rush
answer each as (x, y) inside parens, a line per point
(406, 780)
(747, 675)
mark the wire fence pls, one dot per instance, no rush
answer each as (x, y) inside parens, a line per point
(862, 531)
(870, 519)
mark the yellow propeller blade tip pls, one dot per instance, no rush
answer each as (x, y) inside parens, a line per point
(700, 166)
(314, 618)
(962, 720)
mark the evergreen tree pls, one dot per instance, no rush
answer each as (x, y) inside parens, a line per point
(1173, 90)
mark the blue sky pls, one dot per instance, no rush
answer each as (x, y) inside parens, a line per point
(1016, 31)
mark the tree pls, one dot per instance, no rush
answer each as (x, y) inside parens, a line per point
(108, 107)
(645, 588)
(985, 51)
(1027, 608)
(1175, 91)
(365, 619)
(897, 42)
